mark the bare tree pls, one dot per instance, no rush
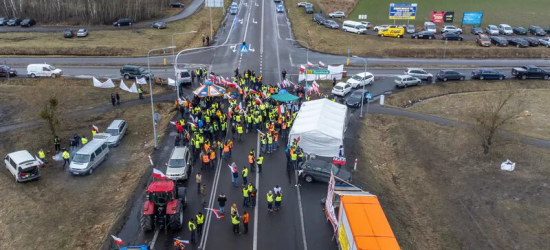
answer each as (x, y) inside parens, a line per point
(49, 114)
(494, 114)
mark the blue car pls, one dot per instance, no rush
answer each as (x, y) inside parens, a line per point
(280, 8)
(233, 8)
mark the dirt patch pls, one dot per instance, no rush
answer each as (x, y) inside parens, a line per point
(439, 191)
(341, 5)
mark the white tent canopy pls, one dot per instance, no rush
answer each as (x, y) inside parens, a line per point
(320, 124)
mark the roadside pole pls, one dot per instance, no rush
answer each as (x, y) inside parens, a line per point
(363, 93)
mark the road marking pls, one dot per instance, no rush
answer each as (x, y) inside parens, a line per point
(233, 23)
(277, 25)
(291, 62)
(277, 49)
(152, 246)
(247, 23)
(254, 21)
(301, 210)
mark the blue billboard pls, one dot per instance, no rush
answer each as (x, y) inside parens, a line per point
(403, 11)
(473, 18)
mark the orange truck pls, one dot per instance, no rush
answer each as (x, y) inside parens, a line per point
(362, 224)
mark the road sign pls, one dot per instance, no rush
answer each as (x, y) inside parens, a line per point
(472, 18)
(318, 72)
(403, 11)
(368, 96)
(244, 48)
(214, 3)
(363, 17)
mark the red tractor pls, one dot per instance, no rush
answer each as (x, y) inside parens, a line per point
(163, 207)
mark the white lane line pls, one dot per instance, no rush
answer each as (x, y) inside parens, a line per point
(277, 50)
(301, 211)
(290, 58)
(277, 26)
(154, 240)
(247, 23)
(233, 23)
(262, 31)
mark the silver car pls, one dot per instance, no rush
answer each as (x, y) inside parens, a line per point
(331, 24)
(405, 81)
(492, 30)
(337, 14)
(117, 130)
(234, 8)
(82, 33)
(419, 73)
(545, 42)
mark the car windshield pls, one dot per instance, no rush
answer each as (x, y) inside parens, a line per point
(113, 132)
(398, 78)
(101, 137)
(176, 163)
(507, 28)
(52, 68)
(5, 67)
(361, 27)
(338, 87)
(184, 74)
(80, 158)
(356, 77)
(485, 39)
(431, 26)
(160, 198)
(357, 94)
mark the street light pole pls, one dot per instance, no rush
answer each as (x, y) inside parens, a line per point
(180, 33)
(151, 92)
(363, 94)
(307, 53)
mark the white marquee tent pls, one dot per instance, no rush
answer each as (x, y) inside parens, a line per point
(320, 124)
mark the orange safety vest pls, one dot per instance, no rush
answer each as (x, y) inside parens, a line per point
(206, 147)
(250, 159)
(226, 149)
(185, 103)
(212, 155)
(245, 218)
(276, 137)
(284, 125)
(205, 158)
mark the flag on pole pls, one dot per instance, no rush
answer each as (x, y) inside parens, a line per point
(216, 212)
(298, 139)
(186, 242)
(309, 65)
(233, 168)
(95, 128)
(258, 101)
(302, 68)
(321, 64)
(158, 174)
(240, 106)
(118, 241)
(192, 124)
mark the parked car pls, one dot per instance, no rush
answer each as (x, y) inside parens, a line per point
(280, 8)
(368, 25)
(117, 130)
(476, 30)
(277, 1)
(319, 19)
(132, 71)
(449, 36)
(7, 71)
(42, 69)
(545, 42)
(82, 33)
(3, 21)
(177, 5)
(419, 73)
(14, 21)
(303, 4)
(483, 40)
(518, 42)
(383, 26)
(519, 31)
(536, 30)
(487, 74)
(331, 24)
(179, 164)
(392, 32)
(406, 81)
(337, 14)
(530, 71)
(68, 33)
(430, 26)
(450, 28)
(449, 74)
(123, 22)
(355, 99)
(233, 8)
(318, 170)
(309, 9)
(505, 29)
(533, 42)
(354, 27)
(184, 77)
(159, 25)
(410, 29)
(491, 30)
(28, 23)
(22, 166)
(358, 80)
(341, 89)
(499, 41)
(423, 35)
(88, 158)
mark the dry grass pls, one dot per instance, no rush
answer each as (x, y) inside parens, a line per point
(332, 41)
(337, 5)
(60, 211)
(439, 192)
(111, 42)
(22, 99)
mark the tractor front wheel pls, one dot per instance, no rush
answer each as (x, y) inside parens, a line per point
(146, 222)
(176, 220)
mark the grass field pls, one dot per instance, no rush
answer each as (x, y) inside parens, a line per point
(515, 13)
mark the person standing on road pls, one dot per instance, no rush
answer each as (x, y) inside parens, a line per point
(284, 74)
(253, 194)
(246, 196)
(193, 230)
(259, 162)
(57, 143)
(140, 92)
(341, 152)
(234, 174)
(203, 195)
(270, 201)
(221, 202)
(198, 179)
(207, 41)
(251, 160)
(203, 40)
(246, 217)
(117, 98)
(223, 26)
(193, 76)
(245, 175)
(66, 157)
(234, 209)
(278, 199)
(277, 189)
(235, 221)
(200, 223)
(42, 157)
(113, 99)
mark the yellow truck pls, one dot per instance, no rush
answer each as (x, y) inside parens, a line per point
(392, 32)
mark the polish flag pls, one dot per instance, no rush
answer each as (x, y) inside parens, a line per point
(118, 241)
(233, 85)
(302, 69)
(233, 168)
(258, 101)
(309, 65)
(298, 139)
(263, 95)
(95, 128)
(281, 109)
(216, 212)
(321, 64)
(186, 242)
(158, 174)
(173, 122)
(193, 124)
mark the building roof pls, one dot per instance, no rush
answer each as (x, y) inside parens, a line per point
(161, 186)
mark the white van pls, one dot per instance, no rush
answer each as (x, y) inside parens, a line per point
(42, 69)
(354, 27)
(179, 165)
(22, 165)
(89, 157)
(429, 26)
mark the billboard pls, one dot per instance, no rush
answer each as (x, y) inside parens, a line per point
(403, 11)
(473, 18)
(213, 3)
(442, 16)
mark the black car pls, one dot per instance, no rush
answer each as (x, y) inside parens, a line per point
(449, 36)
(177, 5)
(354, 100)
(14, 21)
(449, 74)
(28, 23)
(318, 170)
(123, 22)
(3, 21)
(487, 74)
(536, 30)
(309, 9)
(476, 30)
(68, 33)
(533, 42)
(423, 35)
(7, 71)
(518, 42)
(319, 19)
(547, 29)
(499, 41)
(132, 71)
(519, 31)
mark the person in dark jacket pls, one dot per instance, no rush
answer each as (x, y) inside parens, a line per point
(221, 202)
(117, 98)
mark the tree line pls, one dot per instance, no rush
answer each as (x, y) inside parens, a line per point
(83, 11)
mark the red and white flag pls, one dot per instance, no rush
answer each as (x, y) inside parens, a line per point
(321, 64)
(186, 242)
(281, 109)
(158, 174)
(309, 65)
(233, 168)
(95, 128)
(216, 212)
(192, 124)
(298, 139)
(118, 240)
(258, 100)
(173, 122)
(302, 69)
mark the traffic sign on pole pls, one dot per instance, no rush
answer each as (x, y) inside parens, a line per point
(318, 72)
(368, 96)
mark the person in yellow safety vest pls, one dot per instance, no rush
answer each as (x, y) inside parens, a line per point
(93, 132)
(238, 118)
(269, 143)
(244, 173)
(200, 223)
(294, 159)
(66, 157)
(224, 126)
(182, 122)
(42, 156)
(240, 132)
(235, 221)
(246, 196)
(192, 229)
(84, 140)
(308, 97)
(270, 201)
(278, 199)
(259, 162)
(201, 139)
